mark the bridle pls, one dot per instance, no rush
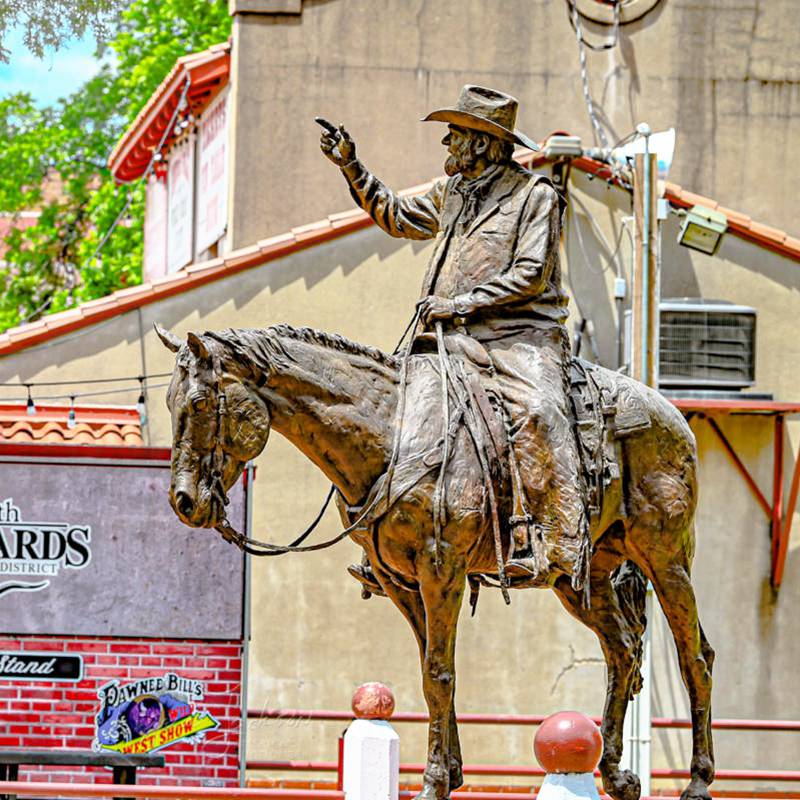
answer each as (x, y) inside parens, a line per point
(216, 487)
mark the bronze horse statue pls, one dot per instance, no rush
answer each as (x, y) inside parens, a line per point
(338, 402)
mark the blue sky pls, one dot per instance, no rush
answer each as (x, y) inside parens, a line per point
(56, 75)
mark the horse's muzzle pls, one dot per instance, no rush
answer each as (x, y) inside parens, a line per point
(184, 504)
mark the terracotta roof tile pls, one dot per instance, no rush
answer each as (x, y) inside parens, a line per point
(791, 242)
(205, 266)
(170, 281)
(64, 317)
(735, 217)
(94, 425)
(92, 306)
(767, 232)
(697, 199)
(243, 255)
(278, 242)
(347, 216)
(126, 295)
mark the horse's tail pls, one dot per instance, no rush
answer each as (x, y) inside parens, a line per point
(630, 585)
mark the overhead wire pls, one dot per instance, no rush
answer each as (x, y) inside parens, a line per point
(618, 266)
(76, 395)
(81, 381)
(575, 21)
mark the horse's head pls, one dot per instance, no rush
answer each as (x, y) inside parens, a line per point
(219, 423)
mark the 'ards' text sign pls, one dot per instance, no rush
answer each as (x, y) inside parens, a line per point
(31, 553)
(40, 667)
(94, 549)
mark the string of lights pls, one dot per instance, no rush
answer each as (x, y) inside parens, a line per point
(141, 407)
(84, 381)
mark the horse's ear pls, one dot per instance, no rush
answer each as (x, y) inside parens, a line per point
(168, 337)
(197, 346)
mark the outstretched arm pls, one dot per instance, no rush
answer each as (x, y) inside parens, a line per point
(415, 217)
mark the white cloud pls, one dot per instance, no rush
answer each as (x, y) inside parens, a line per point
(57, 75)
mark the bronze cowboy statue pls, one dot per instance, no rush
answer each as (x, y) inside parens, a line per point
(495, 276)
(481, 454)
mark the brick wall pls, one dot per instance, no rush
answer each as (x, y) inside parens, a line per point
(61, 715)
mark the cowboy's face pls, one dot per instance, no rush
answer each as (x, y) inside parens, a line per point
(460, 146)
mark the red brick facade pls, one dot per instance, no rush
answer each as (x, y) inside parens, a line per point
(62, 715)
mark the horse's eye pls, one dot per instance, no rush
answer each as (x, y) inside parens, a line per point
(201, 404)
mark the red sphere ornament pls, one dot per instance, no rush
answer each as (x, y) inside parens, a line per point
(568, 742)
(373, 701)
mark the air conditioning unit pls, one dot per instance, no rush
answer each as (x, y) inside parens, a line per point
(704, 344)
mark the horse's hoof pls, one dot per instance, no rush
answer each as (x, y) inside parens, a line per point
(456, 775)
(429, 793)
(623, 785)
(696, 790)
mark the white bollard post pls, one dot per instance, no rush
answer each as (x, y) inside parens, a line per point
(371, 769)
(568, 745)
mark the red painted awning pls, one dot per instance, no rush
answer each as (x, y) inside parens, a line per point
(738, 405)
(206, 74)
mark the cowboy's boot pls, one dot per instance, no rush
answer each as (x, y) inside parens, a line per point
(526, 559)
(523, 561)
(366, 577)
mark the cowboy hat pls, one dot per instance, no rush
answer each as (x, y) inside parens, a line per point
(487, 110)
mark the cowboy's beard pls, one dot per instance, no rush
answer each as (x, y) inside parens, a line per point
(463, 159)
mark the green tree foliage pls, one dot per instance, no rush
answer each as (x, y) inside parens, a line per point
(50, 266)
(48, 24)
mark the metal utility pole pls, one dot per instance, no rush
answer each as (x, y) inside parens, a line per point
(644, 367)
(644, 364)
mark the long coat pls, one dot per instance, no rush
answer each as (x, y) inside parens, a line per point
(500, 263)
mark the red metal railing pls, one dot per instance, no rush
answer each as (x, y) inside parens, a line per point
(511, 770)
(504, 770)
(111, 790)
(788, 725)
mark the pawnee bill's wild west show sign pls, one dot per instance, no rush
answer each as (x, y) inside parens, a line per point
(113, 616)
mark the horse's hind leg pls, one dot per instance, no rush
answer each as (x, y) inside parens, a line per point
(673, 586)
(617, 618)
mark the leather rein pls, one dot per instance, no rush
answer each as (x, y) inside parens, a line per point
(255, 547)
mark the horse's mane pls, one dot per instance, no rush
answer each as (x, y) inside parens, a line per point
(263, 348)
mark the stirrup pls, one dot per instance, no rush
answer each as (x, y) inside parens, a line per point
(366, 577)
(521, 568)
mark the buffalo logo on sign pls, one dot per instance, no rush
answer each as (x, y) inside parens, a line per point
(150, 714)
(38, 549)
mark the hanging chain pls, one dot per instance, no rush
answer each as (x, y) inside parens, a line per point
(600, 136)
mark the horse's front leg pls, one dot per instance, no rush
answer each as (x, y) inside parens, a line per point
(441, 595)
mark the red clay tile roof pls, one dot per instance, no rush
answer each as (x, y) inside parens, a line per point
(94, 425)
(332, 227)
(206, 72)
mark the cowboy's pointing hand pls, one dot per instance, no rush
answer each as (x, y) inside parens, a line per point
(336, 143)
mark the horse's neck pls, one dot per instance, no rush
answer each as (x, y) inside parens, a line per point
(337, 408)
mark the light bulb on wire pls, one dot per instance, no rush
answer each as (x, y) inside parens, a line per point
(31, 409)
(71, 416)
(140, 404)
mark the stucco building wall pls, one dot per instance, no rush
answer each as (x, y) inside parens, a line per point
(725, 74)
(314, 639)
